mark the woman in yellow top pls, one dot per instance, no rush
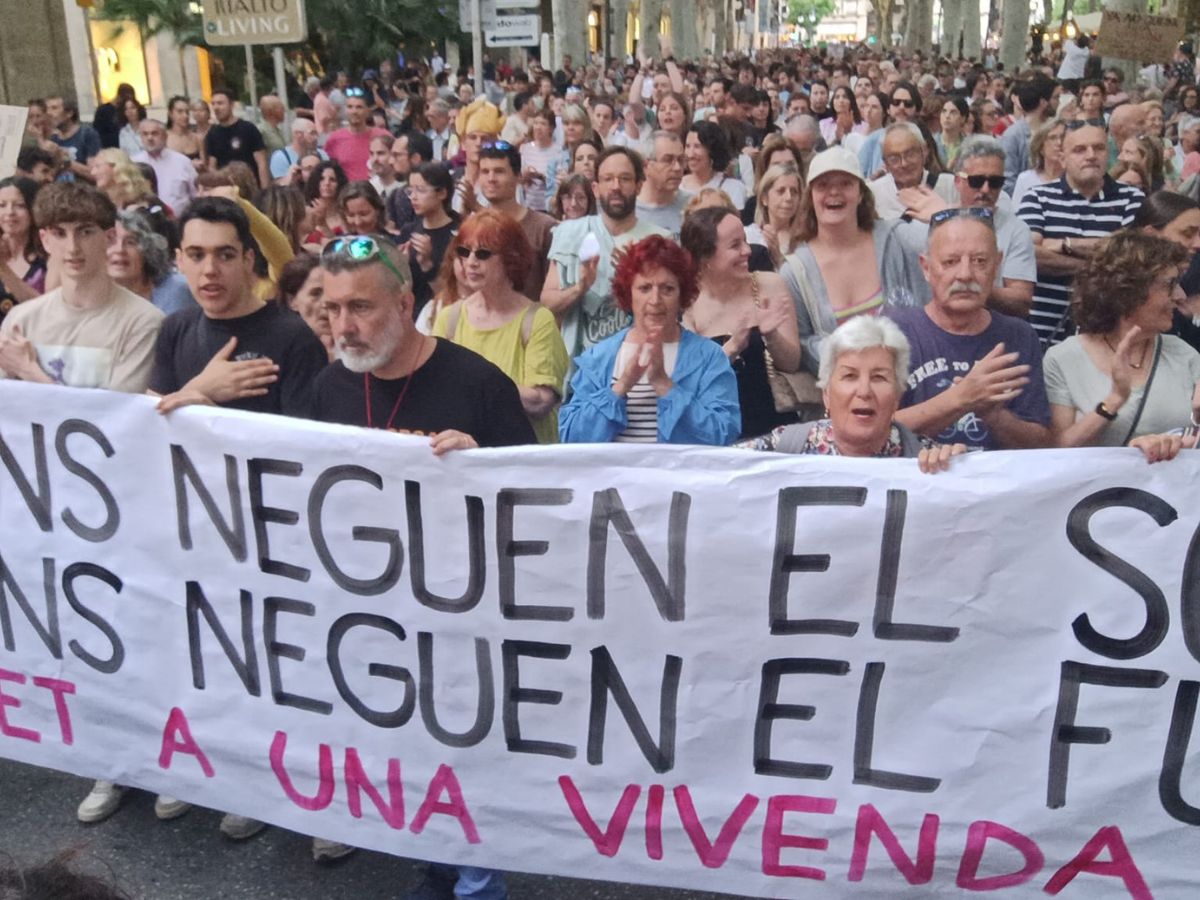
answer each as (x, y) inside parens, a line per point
(490, 258)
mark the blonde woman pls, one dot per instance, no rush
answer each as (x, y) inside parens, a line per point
(777, 212)
(116, 175)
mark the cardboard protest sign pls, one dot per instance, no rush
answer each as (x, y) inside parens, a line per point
(711, 669)
(1139, 37)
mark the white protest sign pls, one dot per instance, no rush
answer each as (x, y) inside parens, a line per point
(12, 132)
(709, 669)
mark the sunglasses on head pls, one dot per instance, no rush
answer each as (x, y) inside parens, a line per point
(907, 104)
(498, 145)
(978, 213)
(481, 253)
(355, 92)
(995, 182)
(1076, 124)
(360, 248)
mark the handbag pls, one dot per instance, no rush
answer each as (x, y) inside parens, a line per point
(791, 391)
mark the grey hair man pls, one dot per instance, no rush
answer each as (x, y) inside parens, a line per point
(979, 183)
(660, 200)
(460, 401)
(804, 134)
(905, 155)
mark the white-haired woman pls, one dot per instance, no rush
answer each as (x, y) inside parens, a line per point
(139, 259)
(864, 366)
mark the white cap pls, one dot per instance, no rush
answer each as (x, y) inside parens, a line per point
(835, 159)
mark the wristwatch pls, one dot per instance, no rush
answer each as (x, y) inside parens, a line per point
(1104, 412)
(1066, 247)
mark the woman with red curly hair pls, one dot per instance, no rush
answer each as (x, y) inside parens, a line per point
(655, 381)
(492, 259)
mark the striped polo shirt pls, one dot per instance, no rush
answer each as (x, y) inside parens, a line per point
(1056, 211)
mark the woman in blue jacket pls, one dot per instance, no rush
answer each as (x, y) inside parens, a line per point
(654, 382)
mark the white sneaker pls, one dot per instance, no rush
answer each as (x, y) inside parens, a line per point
(239, 828)
(169, 808)
(328, 851)
(101, 803)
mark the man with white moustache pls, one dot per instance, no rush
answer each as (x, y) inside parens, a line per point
(975, 376)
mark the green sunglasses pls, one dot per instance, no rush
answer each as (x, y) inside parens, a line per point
(361, 248)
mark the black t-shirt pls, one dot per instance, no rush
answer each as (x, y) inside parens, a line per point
(189, 340)
(456, 390)
(423, 281)
(239, 141)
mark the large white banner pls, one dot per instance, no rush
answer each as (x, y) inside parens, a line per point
(712, 669)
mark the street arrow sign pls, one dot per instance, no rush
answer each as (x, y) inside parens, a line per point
(514, 31)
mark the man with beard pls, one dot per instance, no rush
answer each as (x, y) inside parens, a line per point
(389, 375)
(578, 285)
(975, 376)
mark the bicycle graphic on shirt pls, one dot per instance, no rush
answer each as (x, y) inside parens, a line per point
(970, 427)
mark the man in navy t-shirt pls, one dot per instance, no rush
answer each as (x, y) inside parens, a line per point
(975, 376)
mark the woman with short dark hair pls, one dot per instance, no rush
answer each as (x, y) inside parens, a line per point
(708, 155)
(1122, 377)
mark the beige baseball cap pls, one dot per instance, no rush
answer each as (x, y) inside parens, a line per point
(835, 159)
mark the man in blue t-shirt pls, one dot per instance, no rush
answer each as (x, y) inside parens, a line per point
(975, 376)
(79, 142)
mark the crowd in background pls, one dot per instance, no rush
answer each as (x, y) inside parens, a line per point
(836, 251)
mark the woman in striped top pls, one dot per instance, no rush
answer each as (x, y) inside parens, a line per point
(654, 382)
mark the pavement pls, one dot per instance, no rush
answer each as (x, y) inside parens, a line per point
(189, 859)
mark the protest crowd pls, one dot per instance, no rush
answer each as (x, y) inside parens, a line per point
(878, 254)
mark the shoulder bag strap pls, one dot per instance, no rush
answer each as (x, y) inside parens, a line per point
(527, 318)
(1137, 416)
(452, 317)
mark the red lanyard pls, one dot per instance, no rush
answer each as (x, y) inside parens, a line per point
(403, 392)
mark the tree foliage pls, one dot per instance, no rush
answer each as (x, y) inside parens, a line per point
(354, 36)
(807, 14)
(154, 17)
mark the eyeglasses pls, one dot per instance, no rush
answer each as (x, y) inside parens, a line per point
(481, 253)
(360, 248)
(907, 104)
(412, 190)
(1168, 283)
(1076, 124)
(995, 182)
(978, 213)
(355, 92)
(915, 154)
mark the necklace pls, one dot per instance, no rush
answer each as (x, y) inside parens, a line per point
(403, 391)
(1133, 365)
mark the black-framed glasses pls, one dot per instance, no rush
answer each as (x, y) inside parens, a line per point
(355, 92)
(1076, 124)
(995, 182)
(978, 213)
(360, 248)
(481, 253)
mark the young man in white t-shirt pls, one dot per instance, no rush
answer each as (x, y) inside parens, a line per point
(90, 331)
